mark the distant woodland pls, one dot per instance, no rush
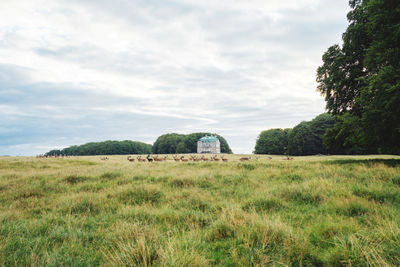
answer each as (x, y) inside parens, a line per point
(165, 144)
(104, 148)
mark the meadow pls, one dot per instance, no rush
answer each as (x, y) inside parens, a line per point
(309, 211)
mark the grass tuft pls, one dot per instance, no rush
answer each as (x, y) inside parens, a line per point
(140, 195)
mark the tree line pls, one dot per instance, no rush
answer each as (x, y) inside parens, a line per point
(104, 148)
(306, 138)
(165, 144)
(180, 143)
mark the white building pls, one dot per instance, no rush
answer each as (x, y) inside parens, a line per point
(208, 144)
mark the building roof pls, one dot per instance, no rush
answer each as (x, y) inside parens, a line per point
(208, 139)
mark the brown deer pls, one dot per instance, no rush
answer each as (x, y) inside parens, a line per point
(269, 158)
(204, 159)
(224, 159)
(215, 158)
(176, 158)
(245, 158)
(130, 159)
(139, 158)
(183, 159)
(104, 158)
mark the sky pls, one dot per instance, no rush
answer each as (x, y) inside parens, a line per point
(78, 71)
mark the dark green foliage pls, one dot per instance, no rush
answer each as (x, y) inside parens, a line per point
(74, 179)
(273, 141)
(85, 207)
(383, 195)
(179, 143)
(353, 209)
(181, 183)
(110, 175)
(246, 166)
(396, 180)
(301, 196)
(306, 138)
(362, 78)
(221, 230)
(368, 162)
(104, 148)
(263, 204)
(137, 196)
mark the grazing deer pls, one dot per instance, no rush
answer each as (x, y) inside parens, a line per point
(130, 159)
(245, 158)
(224, 159)
(139, 158)
(215, 158)
(195, 158)
(183, 159)
(205, 159)
(156, 158)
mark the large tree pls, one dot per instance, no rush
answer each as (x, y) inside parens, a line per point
(273, 141)
(179, 143)
(362, 78)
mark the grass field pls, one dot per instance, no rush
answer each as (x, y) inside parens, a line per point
(310, 211)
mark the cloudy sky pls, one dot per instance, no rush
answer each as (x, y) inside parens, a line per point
(75, 71)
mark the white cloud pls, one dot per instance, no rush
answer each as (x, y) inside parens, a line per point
(232, 67)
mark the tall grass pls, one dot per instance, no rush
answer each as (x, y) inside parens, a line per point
(322, 211)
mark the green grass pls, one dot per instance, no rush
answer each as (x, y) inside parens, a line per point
(310, 211)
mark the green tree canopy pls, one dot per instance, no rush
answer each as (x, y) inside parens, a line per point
(362, 78)
(273, 141)
(104, 148)
(179, 143)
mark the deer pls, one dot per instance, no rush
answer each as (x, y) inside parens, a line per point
(195, 158)
(139, 158)
(104, 158)
(245, 158)
(287, 158)
(223, 159)
(269, 158)
(205, 159)
(130, 159)
(183, 159)
(215, 158)
(156, 158)
(176, 158)
(149, 159)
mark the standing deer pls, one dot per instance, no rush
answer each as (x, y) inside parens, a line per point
(245, 158)
(224, 159)
(183, 159)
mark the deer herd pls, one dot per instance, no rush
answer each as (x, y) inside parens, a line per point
(193, 158)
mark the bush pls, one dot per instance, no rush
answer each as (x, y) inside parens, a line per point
(138, 196)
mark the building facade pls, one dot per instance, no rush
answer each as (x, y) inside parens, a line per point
(208, 144)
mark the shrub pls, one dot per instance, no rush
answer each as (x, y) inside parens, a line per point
(263, 205)
(221, 230)
(181, 183)
(74, 179)
(110, 175)
(138, 196)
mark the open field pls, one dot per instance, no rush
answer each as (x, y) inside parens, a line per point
(337, 210)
